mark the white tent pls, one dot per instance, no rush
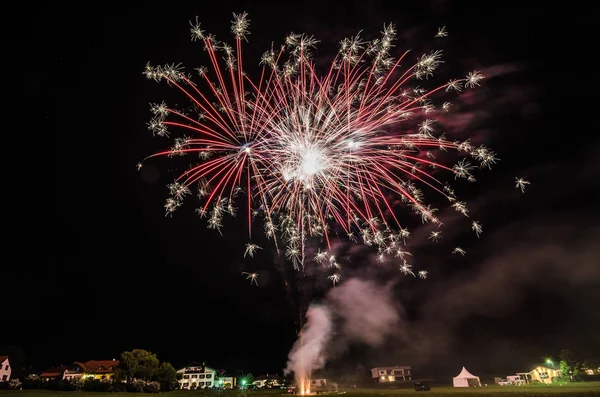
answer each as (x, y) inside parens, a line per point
(466, 379)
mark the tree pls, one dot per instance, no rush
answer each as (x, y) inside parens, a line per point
(166, 375)
(147, 364)
(564, 371)
(127, 367)
(138, 364)
(570, 367)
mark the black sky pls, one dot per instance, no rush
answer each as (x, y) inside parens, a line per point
(122, 276)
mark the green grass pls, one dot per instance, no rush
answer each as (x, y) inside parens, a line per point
(587, 389)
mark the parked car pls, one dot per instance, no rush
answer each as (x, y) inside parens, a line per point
(420, 386)
(504, 382)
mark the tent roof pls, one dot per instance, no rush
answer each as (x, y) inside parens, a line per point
(465, 374)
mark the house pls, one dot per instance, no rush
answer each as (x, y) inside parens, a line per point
(268, 381)
(541, 373)
(54, 373)
(319, 383)
(399, 373)
(96, 369)
(5, 369)
(227, 382)
(73, 372)
(196, 376)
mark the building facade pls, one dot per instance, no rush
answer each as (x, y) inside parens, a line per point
(541, 373)
(5, 369)
(268, 380)
(197, 376)
(399, 373)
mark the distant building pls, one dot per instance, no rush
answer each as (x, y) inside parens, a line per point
(266, 381)
(227, 382)
(318, 382)
(399, 373)
(54, 373)
(197, 376)
(541, 373)
(97, 369)
(5, 369)
(73, 373)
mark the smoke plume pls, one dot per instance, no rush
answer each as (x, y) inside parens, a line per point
(307, 353)
(357, 311)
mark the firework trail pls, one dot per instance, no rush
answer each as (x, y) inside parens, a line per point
(312, 153)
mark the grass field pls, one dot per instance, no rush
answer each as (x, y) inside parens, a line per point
(587, 389)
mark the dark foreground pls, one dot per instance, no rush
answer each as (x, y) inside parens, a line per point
(587, 389)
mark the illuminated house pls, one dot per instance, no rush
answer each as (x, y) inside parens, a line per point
(197, 376)
(541, 373)
(5, 369)
(399, 373)
(227, 382)
(73, 373)
(268, 381)
(97, 369)
(318, 382)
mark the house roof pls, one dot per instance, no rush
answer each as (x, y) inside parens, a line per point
(98, 366)
(54, 371)
(3, 358)
(196, 365)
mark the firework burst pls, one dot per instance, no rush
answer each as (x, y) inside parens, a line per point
(311, 153)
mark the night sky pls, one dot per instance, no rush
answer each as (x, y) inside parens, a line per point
(121, 275)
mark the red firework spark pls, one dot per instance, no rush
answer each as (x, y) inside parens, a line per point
(310, 151)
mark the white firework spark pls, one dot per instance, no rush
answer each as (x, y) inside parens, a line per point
(253, 277)
(520, 183)
(310, 153)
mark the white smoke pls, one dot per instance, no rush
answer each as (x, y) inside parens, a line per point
(364, 313)
(307, 354)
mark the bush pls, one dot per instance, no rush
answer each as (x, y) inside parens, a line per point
(152, 387)
(91, 384)
(33, 381)
(15, 384)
